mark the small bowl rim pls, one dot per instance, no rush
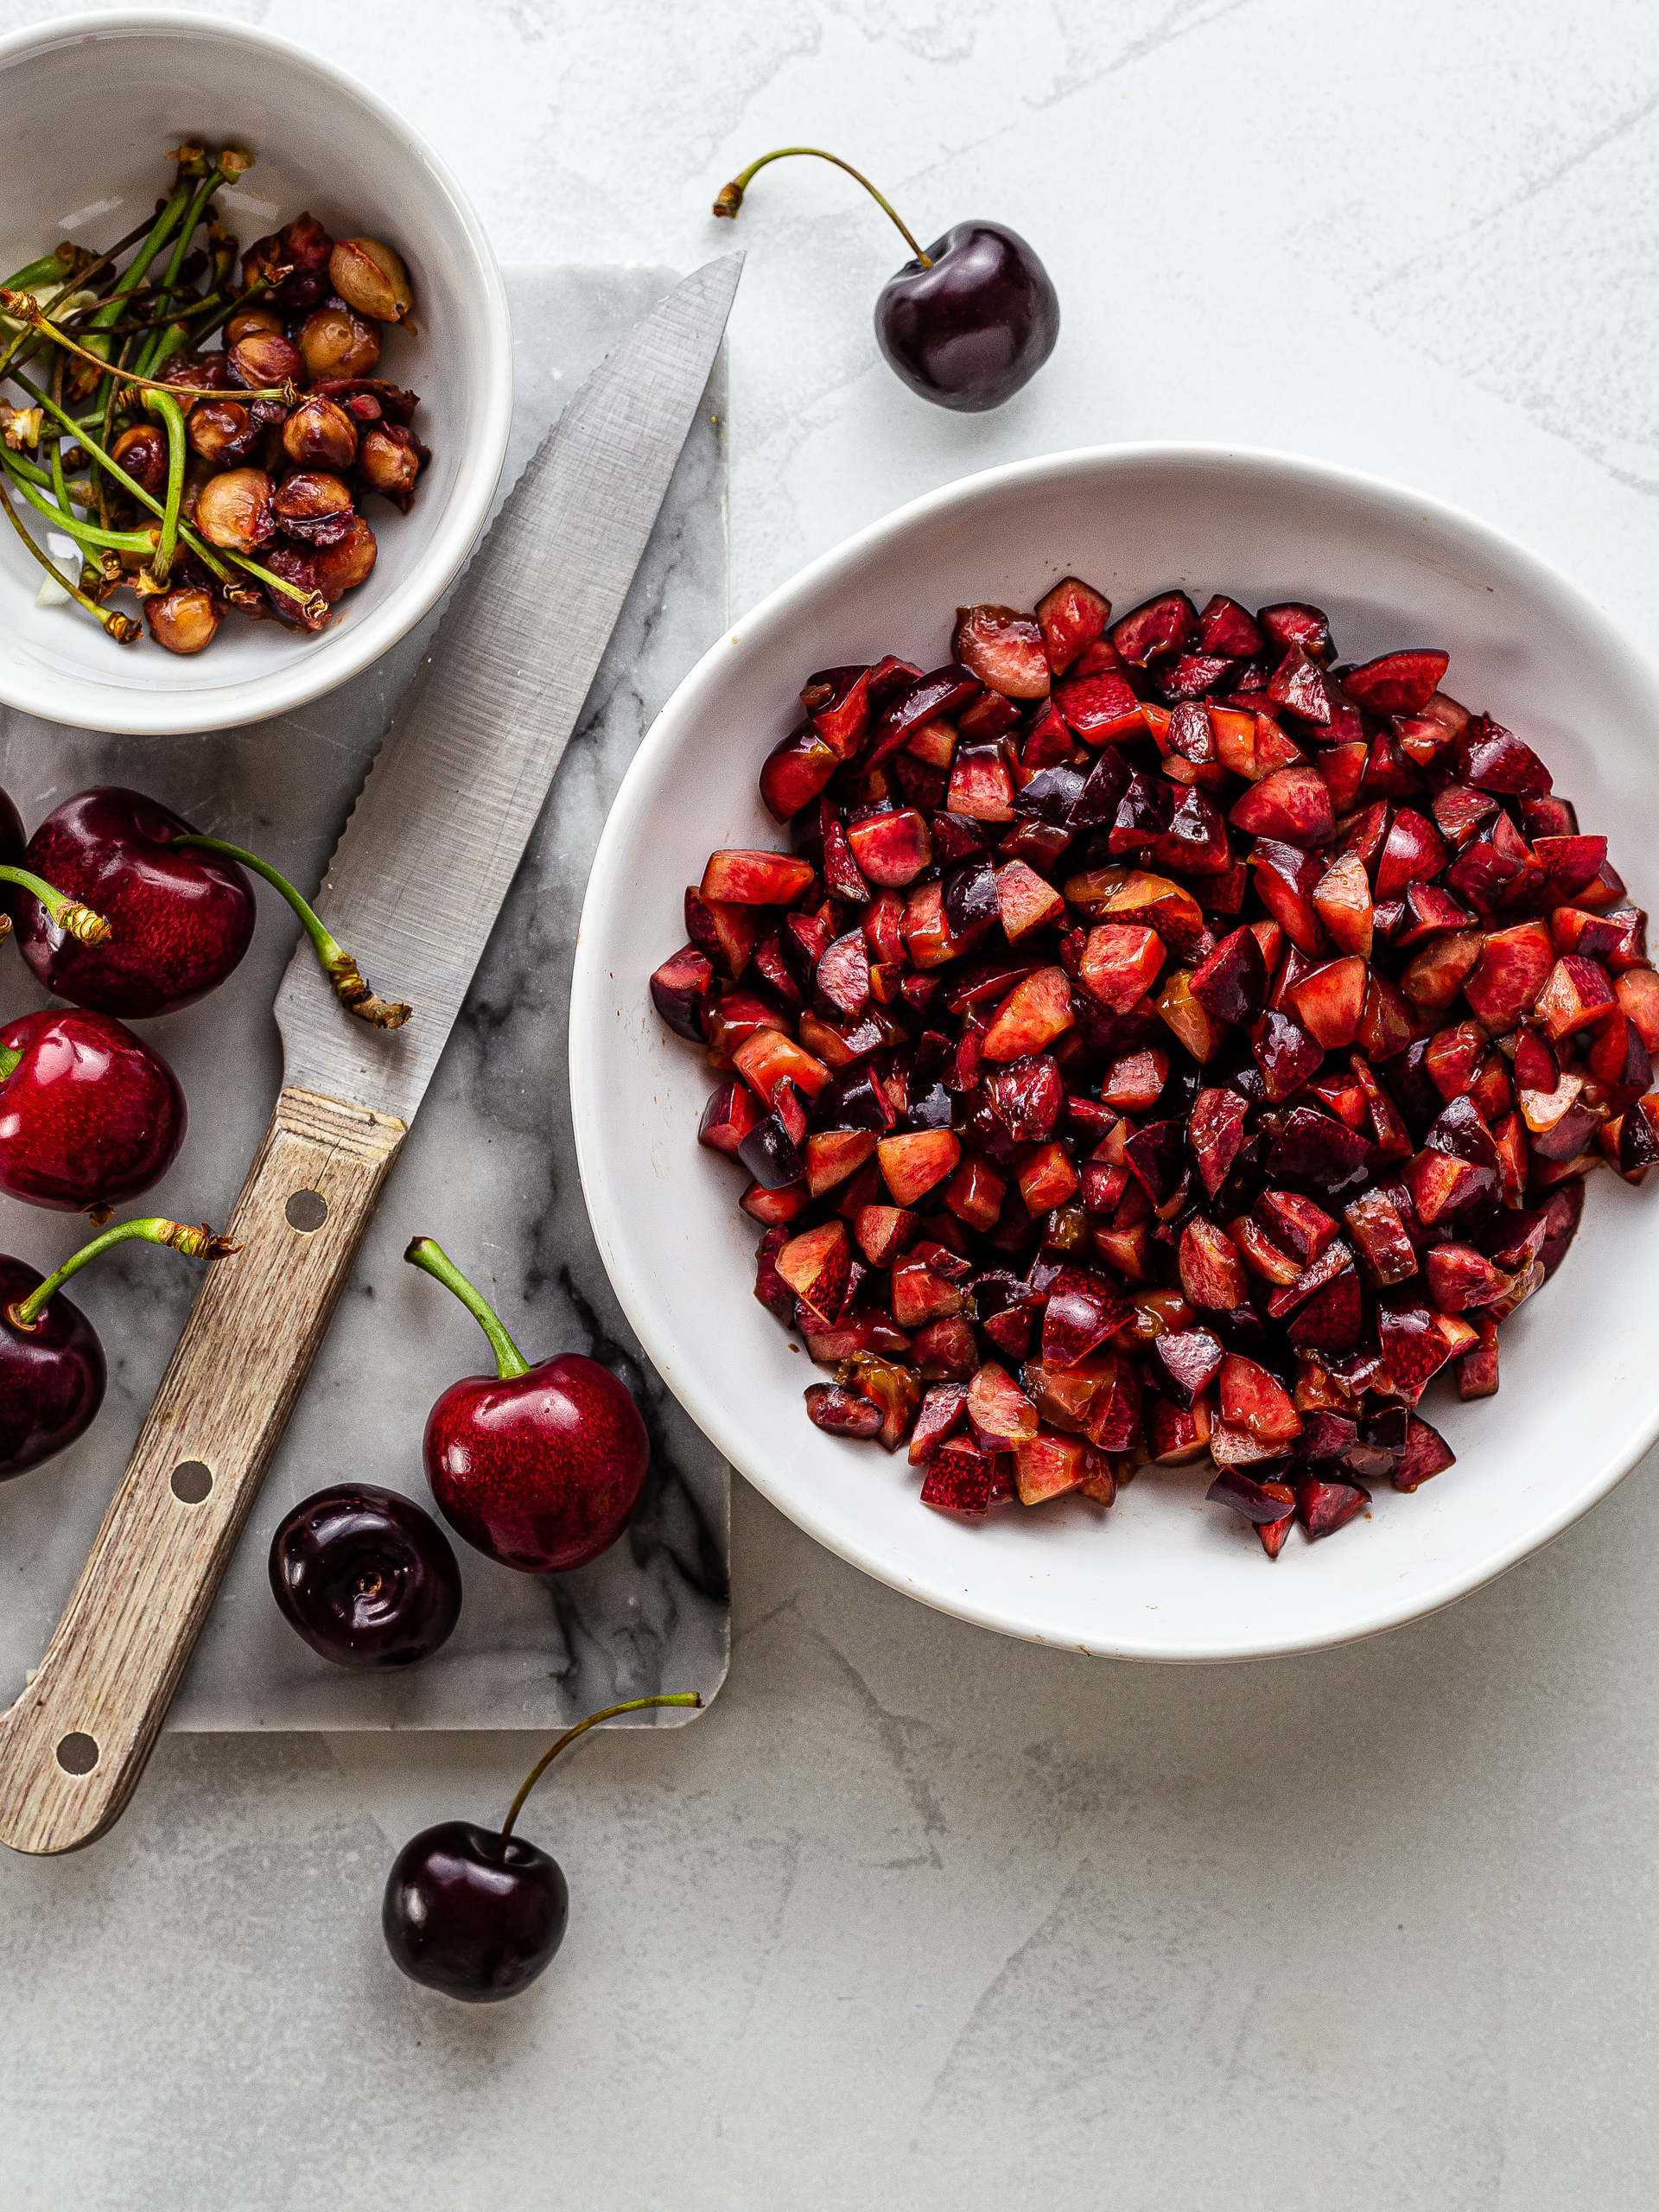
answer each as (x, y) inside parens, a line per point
(588, 1029)
(156, 709)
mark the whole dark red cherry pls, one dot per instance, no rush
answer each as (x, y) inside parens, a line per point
(180, 920)
(177, 909)
(52, 1371)
(52, 1377)
(474, 1914)
(972, 323)
(365, 1576)
(90, 1116)
(966, 322)
(538, 1467)
(479, 1915)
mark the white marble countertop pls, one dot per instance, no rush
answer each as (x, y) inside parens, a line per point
(915, 1917)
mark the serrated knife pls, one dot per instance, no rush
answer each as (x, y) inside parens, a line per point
(413, 888)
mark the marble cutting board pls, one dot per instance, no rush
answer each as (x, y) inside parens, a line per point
(489, 1169)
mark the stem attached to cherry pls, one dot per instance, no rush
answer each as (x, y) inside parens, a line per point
(343, 974)
(427, 1254)
(731, 198)
(634, 1704)
(68, 914)
(198, 1243)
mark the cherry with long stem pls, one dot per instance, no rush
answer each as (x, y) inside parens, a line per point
(539, 1466)
(968, 321)
(479, 1915)
(197, 1243)
(731, 198)
(345, 976)
(690, 1698)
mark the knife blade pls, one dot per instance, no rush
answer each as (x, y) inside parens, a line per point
(432, 845)
(415, 885)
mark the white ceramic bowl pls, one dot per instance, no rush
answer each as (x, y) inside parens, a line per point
(1163, 1575)
(88, 106)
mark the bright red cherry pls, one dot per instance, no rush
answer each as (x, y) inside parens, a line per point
(965, 323)
(179, 908)
(477, 1914)
(52, 1371)
(90, 1116)
(539, 1467)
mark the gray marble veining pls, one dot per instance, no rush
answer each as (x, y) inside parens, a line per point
(489, 1169)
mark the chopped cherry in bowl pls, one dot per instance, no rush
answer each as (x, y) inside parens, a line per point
(1163, 1042)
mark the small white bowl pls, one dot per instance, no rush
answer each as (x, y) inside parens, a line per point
(89, 106)
(1163, 1575)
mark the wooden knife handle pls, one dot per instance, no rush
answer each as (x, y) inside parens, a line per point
(73, 1747)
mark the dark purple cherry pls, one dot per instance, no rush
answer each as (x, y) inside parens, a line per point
(365, 1576)
(52, 1371)
(971, 321)
(966, 323)
(180, 911)
(479, 1915)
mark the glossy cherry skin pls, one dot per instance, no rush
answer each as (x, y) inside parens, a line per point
(90, 1116)
(180, 920)
(969, 332)
(11, 848)
(540, 1472)
(51, 1377)
(365, 1576)
(472, 1916)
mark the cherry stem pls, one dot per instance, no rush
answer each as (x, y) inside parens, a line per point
(67, 913)
(121, 628)
(193, 216)
(343, 974)
(425, 1252)
(23, 306)
(732, 198)
(80, 273)
(137, 268)
(634, 1704)
(198, 1243)
(160, 566)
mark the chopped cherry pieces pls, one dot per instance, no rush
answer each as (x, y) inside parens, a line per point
(1161, 1042)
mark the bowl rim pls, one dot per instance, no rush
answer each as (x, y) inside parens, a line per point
(589, 1028)
(154, 709)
